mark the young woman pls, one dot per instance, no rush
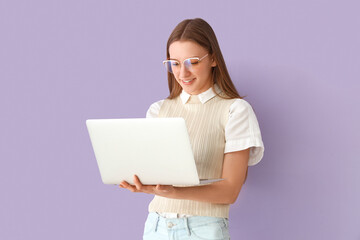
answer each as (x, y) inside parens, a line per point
(224, 135)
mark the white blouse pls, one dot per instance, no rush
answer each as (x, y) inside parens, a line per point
(242, 130)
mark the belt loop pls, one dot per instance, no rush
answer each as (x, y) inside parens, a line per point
(187, 225)
(225, 222)
(157, 222)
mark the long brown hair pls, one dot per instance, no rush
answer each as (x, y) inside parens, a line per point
(200, 32)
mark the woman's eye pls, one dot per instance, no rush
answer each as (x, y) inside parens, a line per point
(194, 61)
(174, 63)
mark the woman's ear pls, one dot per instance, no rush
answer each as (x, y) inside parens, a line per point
(213, 63)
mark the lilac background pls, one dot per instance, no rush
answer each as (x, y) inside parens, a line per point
(62, 62)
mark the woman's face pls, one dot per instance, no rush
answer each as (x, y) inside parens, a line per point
(199, 79)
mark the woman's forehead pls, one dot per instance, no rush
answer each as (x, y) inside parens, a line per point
(185, 49)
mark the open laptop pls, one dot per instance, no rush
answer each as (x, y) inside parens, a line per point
(157, 150)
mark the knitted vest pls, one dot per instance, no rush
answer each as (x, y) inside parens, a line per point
(206, 127)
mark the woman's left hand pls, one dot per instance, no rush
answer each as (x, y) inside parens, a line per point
(161, 190)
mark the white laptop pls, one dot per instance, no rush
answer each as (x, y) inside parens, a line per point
(157, 150)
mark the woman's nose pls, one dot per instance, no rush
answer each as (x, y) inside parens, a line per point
(184, 71)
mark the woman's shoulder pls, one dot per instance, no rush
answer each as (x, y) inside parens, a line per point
(240, 102)
(157, 103)
(154, 109)
(240, 105)
(235, 100)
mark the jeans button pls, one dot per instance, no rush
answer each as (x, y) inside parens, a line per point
(170, 224)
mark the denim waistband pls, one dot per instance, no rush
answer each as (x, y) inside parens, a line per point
(173, 215)
(192, 221)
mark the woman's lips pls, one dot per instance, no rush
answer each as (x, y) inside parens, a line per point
(187, 82)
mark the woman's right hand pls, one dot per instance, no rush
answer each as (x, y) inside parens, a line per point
(161, 190)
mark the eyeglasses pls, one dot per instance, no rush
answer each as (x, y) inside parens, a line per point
(174, 65)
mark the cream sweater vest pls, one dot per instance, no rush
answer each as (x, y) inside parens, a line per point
(206, 127)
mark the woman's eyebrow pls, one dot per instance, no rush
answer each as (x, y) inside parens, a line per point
(184, 59)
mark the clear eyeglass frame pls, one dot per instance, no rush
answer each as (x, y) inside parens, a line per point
(170, 64)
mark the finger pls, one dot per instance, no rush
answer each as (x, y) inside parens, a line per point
(143, 188)
(137, 183)
(124, 184)
(129, 186)
(133, 188)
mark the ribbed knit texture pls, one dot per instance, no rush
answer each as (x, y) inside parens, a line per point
(206, 127)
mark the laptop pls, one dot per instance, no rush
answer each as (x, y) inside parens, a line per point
(157, 150)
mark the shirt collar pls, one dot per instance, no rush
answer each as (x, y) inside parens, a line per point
(203, 97)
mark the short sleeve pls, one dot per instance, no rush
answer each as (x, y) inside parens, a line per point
(242, 131)
(154, 109)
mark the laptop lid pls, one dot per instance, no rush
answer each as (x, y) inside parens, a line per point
(157, 150)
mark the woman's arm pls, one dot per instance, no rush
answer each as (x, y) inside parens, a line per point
(224, 192)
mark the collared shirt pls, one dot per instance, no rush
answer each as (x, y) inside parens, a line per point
(242, 130)
(203, 97)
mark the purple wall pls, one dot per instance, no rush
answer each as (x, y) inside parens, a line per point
(62, 62)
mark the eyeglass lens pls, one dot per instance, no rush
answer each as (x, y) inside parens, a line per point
(174, 66)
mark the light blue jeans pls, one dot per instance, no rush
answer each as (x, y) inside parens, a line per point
(189, 228)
